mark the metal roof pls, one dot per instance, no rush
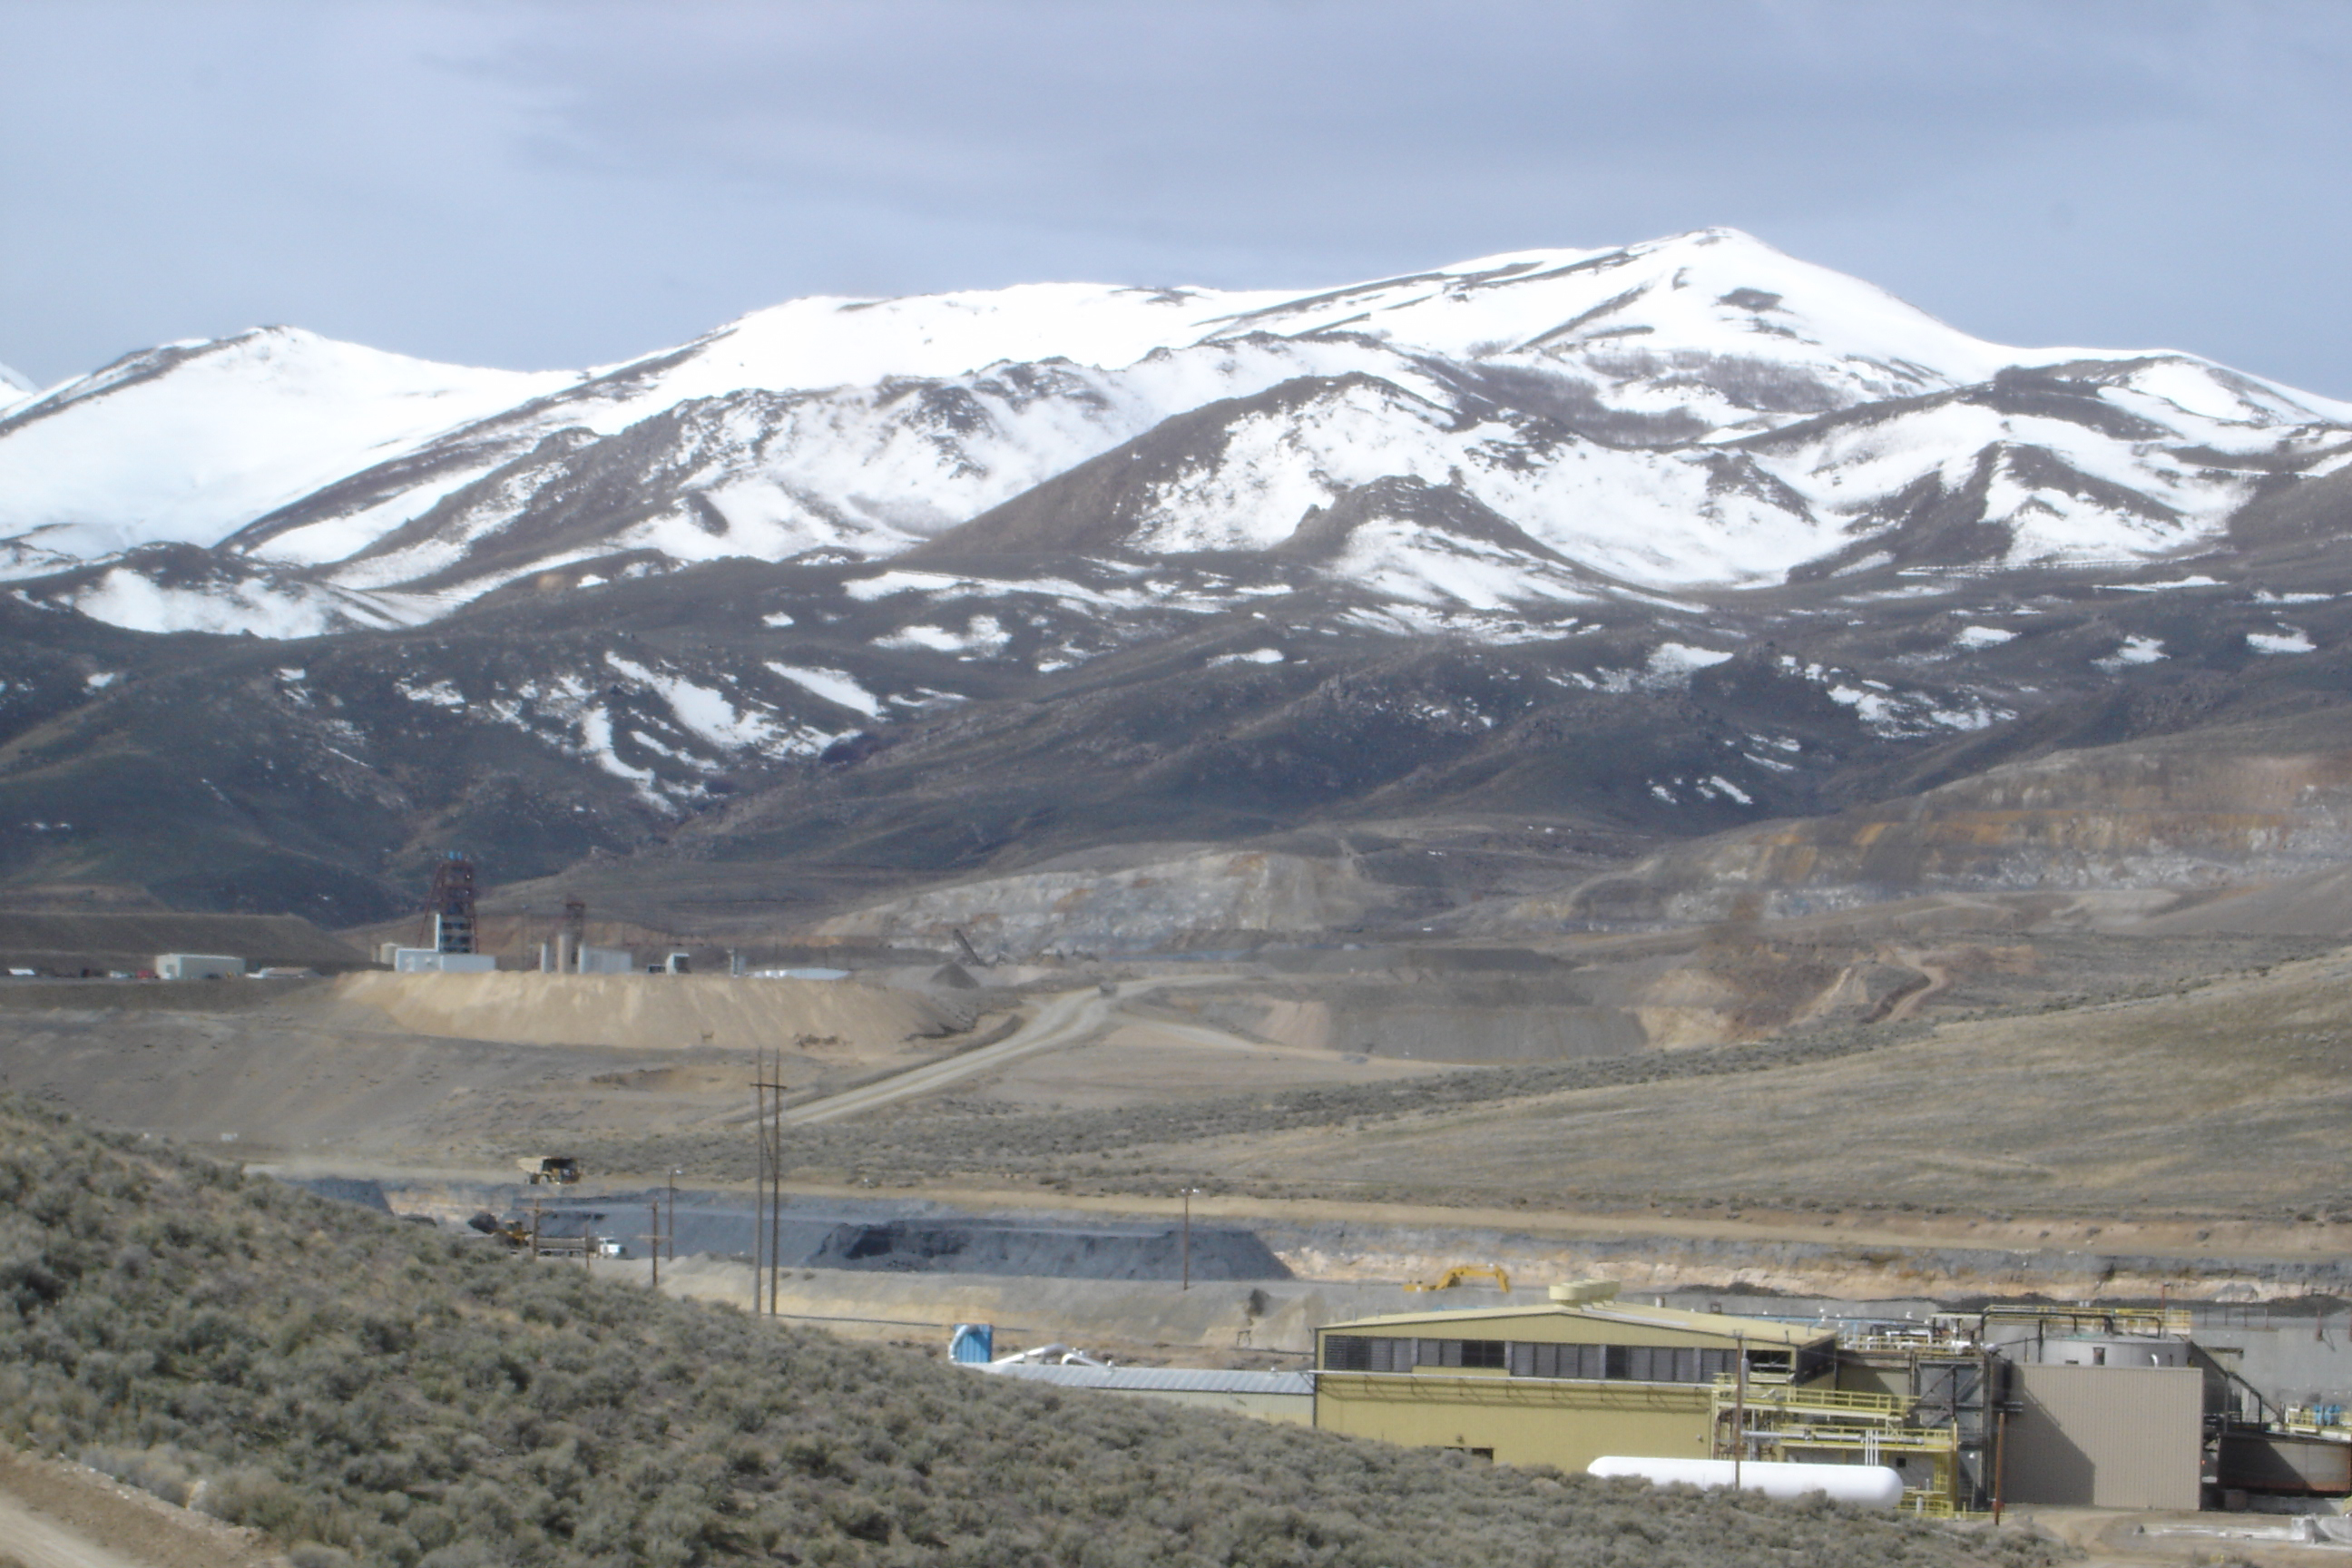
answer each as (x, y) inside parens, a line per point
(1721, 1324)
(1159, 1379)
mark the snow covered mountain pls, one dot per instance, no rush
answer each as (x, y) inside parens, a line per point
(1651, 540)
(1696, 411)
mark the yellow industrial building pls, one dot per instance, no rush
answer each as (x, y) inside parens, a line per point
(2098, 1407)
(1558, 1383)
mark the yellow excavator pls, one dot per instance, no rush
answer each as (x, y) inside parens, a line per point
(1462, 1273)
(514, 1233)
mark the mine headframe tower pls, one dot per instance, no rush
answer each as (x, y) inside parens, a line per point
(451, 904)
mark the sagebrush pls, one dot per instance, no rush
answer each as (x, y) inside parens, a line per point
(365, 1392)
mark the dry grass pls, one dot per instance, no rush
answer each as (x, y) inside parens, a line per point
(2223, 1099)
(2227, 1100)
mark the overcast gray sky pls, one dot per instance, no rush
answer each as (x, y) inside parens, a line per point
(564, 184)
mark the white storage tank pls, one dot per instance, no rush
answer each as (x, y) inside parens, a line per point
(1864, 1486)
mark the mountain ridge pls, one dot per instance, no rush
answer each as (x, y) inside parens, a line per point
(1650, 543)
(422, 486)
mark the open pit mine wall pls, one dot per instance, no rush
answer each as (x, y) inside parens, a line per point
(1186, 902)
(2137, 817)
(2248, 803)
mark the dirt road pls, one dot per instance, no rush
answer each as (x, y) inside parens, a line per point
(1063, 1021)
(1068, 1020)
(39, 1542)
(1938, 978)
(59, 1515)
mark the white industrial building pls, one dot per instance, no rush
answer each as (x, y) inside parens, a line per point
(198, 966)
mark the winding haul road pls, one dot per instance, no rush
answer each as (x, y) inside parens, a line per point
(1066, 1020)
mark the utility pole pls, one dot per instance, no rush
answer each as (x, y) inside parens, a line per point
(671, 1237)
(1738, 1409)
(771, 1087)
(759, 1185)
(1997, 1400)
(776, 1196)
(776, 1192)
(654, 1239)
(1187, 1245)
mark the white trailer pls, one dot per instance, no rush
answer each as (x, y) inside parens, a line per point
(198, 966)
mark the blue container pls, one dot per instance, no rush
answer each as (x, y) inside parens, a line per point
(974, 1344)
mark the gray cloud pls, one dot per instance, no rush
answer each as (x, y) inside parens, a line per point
(561, 184)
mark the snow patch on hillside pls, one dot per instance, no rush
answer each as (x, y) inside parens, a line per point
(2135, 650)
(1398, 559)
(980, 637)
(190, 443)
(124, 598)
(836, 687)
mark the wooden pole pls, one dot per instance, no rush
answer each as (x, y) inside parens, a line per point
(760, 1183)
(775, 1192)
(769, 1217)
(771, 1179)
(2000, 1457)
(776, 1196)
(1739, 1407)
(1188, 1240)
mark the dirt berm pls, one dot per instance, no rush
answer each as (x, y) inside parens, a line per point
(644, 1011)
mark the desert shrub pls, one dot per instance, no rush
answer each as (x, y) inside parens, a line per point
(1137, 1147)
(165, 1471)
(368, 1394)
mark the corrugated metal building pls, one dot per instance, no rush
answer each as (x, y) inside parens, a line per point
(2103, 1436)
(1560, 1384)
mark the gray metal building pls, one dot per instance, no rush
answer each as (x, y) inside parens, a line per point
(2094, 1436)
